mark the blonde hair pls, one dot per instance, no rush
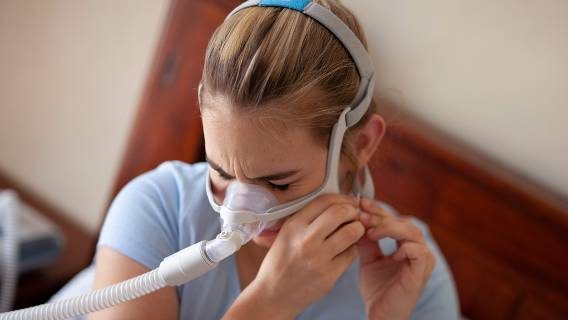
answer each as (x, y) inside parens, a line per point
(283, 65)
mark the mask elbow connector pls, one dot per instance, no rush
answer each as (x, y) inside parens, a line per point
(226, 243)
(185, 265)
(198, 259)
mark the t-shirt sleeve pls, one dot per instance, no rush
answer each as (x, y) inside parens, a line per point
(439, 299)
(142, 220)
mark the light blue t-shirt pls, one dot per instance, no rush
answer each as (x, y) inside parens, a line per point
(166, 210)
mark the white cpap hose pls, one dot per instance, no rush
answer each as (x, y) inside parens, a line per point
(176, 269)
(9, 207)
(93, 301)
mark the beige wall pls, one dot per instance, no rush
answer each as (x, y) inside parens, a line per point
(491, 73)
(71, 76)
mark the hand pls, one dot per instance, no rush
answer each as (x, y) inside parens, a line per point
(391, 285)
(313, 248)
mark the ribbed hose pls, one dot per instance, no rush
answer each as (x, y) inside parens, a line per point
(9, 211)
(93, 301)
(176, 269)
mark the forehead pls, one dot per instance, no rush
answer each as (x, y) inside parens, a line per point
(255, 142)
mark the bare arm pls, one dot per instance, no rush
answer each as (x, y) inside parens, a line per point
(113, 267)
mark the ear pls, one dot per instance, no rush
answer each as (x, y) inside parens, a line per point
(369, 137)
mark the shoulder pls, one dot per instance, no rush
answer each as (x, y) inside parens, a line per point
(170, 191)
(171, 174)
(170, 183)
(143, 221)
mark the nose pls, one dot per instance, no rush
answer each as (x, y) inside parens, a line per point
(220, 190)
(249, 197)
(240, 176)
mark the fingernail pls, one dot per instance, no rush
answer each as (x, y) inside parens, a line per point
(365, 216)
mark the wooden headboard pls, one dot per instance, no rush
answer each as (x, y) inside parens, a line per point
(505, 239)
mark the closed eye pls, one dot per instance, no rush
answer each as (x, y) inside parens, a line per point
(280, 187)
(224, 176)
(273, 186)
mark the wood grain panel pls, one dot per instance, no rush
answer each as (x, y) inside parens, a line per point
(503, 236)
(397, 168)
(505, 231)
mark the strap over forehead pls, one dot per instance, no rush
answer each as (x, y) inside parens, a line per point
(298, 5)
(352, 44)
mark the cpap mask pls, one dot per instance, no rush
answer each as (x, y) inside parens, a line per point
(247, 209)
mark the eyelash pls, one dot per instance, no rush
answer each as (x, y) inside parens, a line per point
(279, 187)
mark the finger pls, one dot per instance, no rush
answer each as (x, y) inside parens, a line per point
(345, 258)
(372, 213)
(373, 207)
(369, 250)
(331, 219)
(421, 259)
(344, 237)
(313, 209)
(398, 229)
(369, 220)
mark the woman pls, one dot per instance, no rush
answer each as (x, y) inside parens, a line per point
(274, 83)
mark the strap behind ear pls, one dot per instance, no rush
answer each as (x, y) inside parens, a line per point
(367, 189)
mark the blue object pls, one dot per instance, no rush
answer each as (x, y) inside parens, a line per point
(298, 5)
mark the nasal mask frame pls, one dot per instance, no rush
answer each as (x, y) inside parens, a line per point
(197, 259)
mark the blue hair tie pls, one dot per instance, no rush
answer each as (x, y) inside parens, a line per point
(297, 5)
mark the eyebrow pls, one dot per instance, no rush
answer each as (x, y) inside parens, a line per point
(275, 176)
